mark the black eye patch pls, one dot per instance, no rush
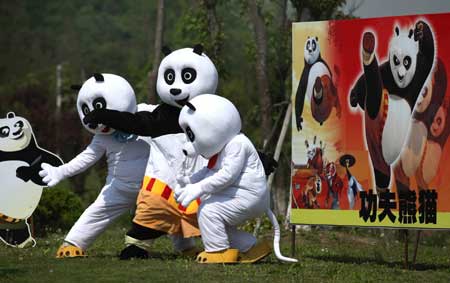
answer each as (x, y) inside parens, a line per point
(407, 62)
(188, 75)
(396, 61)
(190, 134)
(18, 124)
(99, 103)
(4, 132)
(314, 45)
(169, 76)
(85, 109)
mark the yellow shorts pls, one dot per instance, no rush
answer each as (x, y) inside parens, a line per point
(157, 209)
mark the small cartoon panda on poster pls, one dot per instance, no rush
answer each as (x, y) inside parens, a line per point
(21, 189)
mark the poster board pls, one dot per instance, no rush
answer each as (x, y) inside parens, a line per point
(370, 123)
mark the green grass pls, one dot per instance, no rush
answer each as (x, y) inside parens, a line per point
(326, 255)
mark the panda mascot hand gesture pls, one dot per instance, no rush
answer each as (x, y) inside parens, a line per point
(126, 158)
(388, 93)
(232, 187)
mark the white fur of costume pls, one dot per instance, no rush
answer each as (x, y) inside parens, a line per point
(233, 189)
(126, 158)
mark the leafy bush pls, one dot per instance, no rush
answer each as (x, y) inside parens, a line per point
(58, 208)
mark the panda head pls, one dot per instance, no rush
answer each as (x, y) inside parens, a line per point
(105, 91)
(15, 133)
(184, 74)
(210, 122)
(403, 50)
(312, 50)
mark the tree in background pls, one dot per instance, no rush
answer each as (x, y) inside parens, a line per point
(159, 31)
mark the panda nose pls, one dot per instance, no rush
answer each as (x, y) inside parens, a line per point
(175, 91)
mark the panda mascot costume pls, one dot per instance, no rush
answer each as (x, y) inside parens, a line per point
(126, 157)
(232, 186)
(182, 75)
(388, 93)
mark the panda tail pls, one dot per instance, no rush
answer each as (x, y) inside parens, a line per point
(276, 238)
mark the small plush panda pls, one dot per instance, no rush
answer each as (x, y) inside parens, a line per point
(20, 162)
(387, 93)
(126, 157)
(421, 156)
(232, 186)
(315, 83)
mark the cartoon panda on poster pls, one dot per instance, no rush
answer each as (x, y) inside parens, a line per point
(21, 186)
(316, 83)
(388, 93)
(126, 156)
(232, 187)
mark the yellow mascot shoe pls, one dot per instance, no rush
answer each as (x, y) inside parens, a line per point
(256, 253)
(225, 256)
(69, 251)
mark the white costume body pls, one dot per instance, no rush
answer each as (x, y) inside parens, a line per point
(126, 164)
(167, 160)
(236, 191)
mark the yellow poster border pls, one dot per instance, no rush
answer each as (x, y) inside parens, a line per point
(351, 218)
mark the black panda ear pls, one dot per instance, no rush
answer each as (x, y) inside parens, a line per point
(166, 50)
(75, 87)
(411, 32)
(198, 49)
(317, 39)
(10, 115)
(309, 37)
(192, 107)
(397, 31)
(99, 77)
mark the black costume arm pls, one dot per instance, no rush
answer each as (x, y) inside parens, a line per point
(161, 121)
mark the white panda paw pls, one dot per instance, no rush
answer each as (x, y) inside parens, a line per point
(183, 180)
(189, 193)
(50, 175)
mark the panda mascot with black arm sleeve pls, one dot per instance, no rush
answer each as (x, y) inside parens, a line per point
(126, 158)
(232, 186)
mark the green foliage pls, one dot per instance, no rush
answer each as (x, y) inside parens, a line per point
(58, 208)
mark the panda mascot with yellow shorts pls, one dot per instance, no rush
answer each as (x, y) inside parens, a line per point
(232, 187)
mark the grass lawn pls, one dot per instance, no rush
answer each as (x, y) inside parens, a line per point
(326, 255)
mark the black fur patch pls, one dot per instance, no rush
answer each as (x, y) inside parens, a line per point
(198, 49)
(166, 50)
(99, 77)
